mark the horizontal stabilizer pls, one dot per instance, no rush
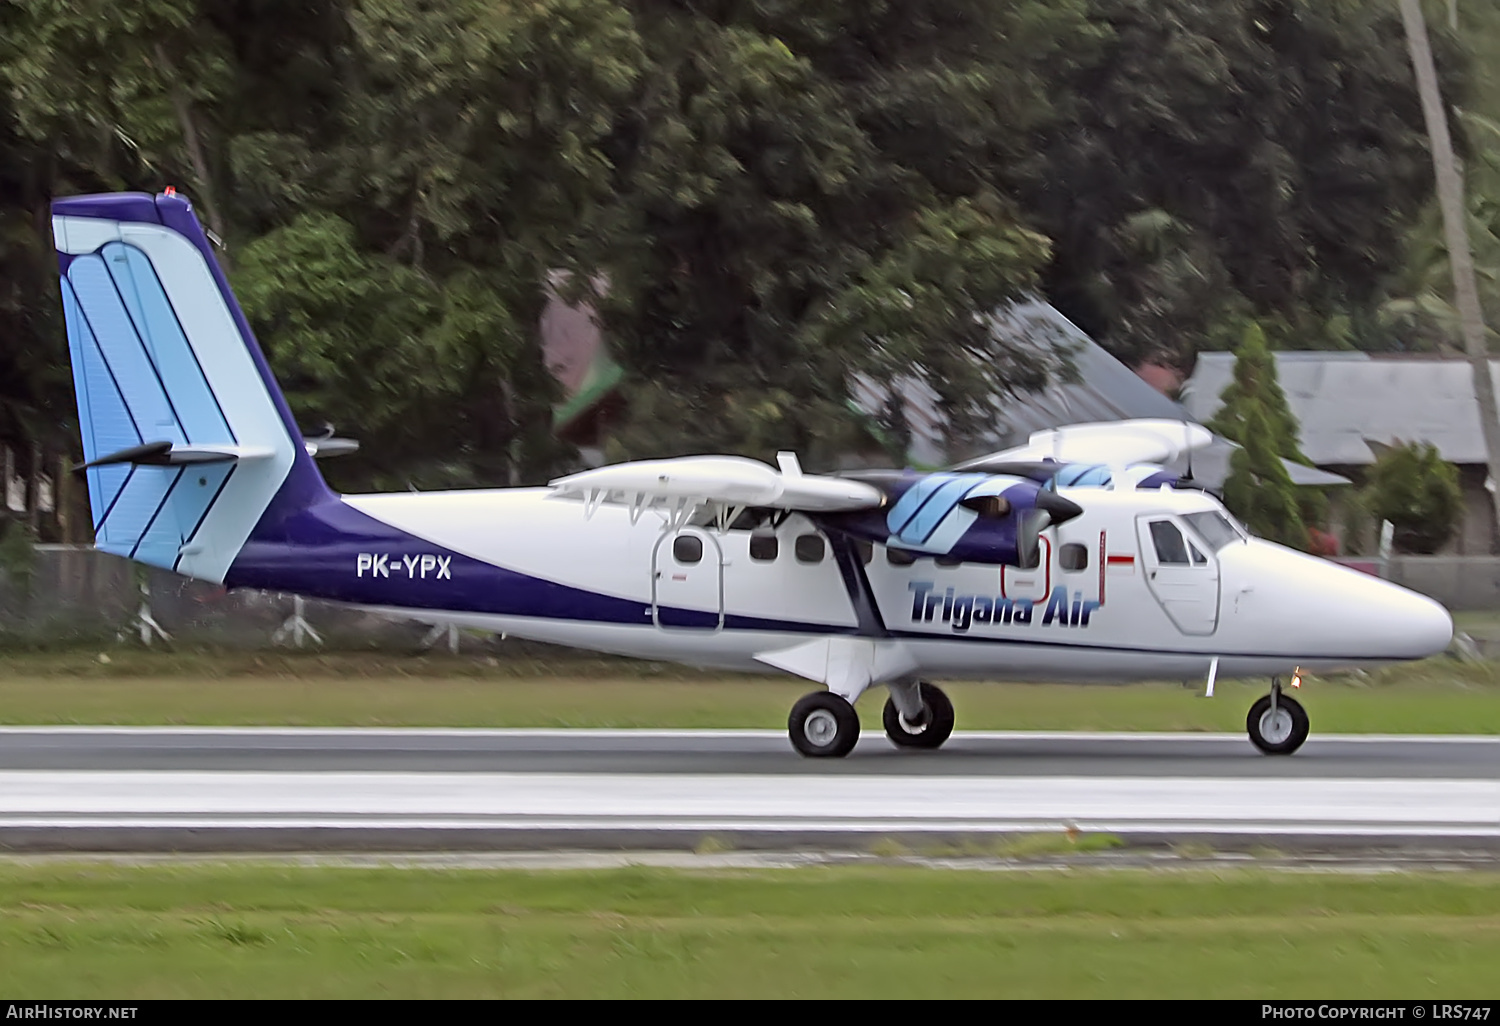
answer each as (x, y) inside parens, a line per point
(167, 454)
(323, 448)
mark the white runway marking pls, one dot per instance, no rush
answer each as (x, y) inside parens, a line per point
(565, 801)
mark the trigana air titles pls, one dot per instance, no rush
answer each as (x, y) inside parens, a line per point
(1075, 557)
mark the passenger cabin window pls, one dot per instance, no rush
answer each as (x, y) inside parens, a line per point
(866, 551)
(899, 557)
(809, 548)
(687, 548)
(947, 560)
(1073, 556)
(763, 547)
(1171, 547)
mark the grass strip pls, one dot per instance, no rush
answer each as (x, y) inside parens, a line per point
(220, 930)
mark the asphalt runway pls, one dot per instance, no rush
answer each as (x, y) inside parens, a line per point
(759, 752)
(272, 789)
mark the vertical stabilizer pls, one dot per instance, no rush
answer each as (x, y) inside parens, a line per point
(161, 353)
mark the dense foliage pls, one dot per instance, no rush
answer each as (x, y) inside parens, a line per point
(770, 196)
(1418, 492)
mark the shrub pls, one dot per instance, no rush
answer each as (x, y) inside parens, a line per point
(1418, 492)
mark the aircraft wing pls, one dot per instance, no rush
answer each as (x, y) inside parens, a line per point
(1114, 443)
(680, 487)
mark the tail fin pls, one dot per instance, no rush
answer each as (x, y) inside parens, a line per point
(189, 445)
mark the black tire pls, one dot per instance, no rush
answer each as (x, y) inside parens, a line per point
(823, 726)
(1282, 737)
(937, 724)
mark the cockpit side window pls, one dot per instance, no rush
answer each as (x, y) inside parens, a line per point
(1171, 547)
(1214, 528)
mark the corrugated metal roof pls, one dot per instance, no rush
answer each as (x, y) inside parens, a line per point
(1104, 390)
(1343, 401)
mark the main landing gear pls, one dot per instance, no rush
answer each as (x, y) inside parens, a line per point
(1277, 723)
(916, 715)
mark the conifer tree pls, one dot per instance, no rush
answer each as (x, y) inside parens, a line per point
(1259, 490)
(1256, 413)
(1255, 385)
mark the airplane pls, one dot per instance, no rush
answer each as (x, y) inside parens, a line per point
(1076, 557)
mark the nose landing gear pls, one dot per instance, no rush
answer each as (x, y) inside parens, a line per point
(1277, 724)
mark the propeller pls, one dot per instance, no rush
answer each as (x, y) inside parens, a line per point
(1058, 509)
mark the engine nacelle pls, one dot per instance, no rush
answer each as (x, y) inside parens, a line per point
(972, 518)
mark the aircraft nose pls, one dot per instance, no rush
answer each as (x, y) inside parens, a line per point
(1402, 624)
(1428, 625)
(1314, 606)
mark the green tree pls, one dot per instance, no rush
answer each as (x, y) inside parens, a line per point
(1418, 492)
(1255, 387)
(1232, 158)
(1256, 415)
(781, 194)
(805, 191)
(1259, 490)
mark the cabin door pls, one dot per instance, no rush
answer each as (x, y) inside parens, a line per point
(687, 581)
(1183, 577)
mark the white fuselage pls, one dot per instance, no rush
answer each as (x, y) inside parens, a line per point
(1105, 603)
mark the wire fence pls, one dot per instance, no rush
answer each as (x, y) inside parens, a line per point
(77, 594)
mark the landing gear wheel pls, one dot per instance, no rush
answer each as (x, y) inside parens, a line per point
(935, 727)
(823, 725)
(1279, 730)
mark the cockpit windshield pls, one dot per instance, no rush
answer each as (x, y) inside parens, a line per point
(1214, 527)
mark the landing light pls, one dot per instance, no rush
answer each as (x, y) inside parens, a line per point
(1297, 677)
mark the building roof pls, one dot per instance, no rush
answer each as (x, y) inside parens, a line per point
(1101, 388)
(1343, 401)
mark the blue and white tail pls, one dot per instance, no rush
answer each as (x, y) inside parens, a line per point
(187, 440)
